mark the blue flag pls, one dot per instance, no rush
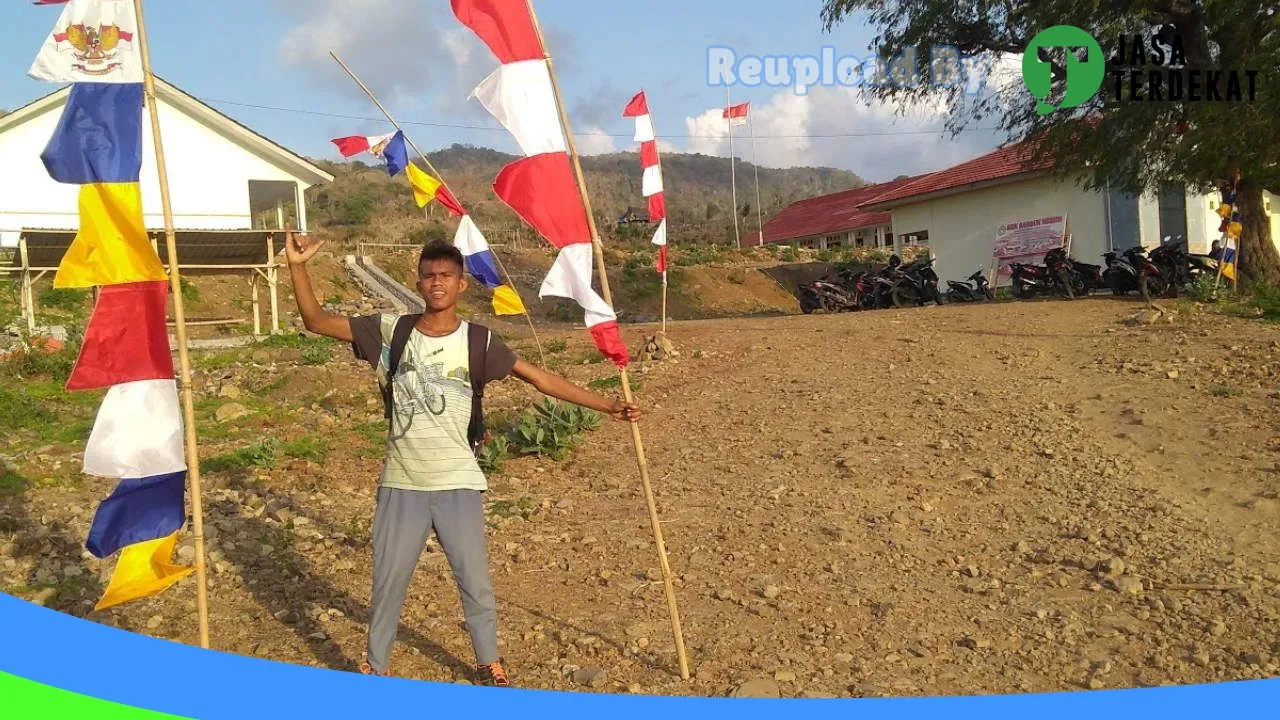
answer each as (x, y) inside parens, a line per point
(396, 155)
(138, 510)
(99, 137)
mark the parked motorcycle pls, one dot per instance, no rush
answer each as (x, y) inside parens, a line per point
(827, 296)
(1052, 278)
(1121, 274)
(1086, 278)
(917, 284)
(974, 289)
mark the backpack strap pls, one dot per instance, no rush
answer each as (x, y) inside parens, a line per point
(478, 353)
(399, 339)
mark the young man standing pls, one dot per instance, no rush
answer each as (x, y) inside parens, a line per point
(431, 479)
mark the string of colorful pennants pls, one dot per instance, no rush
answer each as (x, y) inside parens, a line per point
(137, 437)
(480, 261)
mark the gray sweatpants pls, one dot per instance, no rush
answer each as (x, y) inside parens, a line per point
(401, 525)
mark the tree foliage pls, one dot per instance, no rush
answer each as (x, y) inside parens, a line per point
(1129, 145)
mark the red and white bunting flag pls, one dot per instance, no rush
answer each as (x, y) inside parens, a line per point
(356, 144)
(541, 188)
(737, 114)
(651, 185)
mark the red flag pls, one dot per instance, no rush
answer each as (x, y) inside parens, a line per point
(506, 26)
(638, 106)
(542, 191)
(609, 340)
(450, 203)
(657, 207)
(736, 111)
(662, 259)
(649, 154)
(126, 339)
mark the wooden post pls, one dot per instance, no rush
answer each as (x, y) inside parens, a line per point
(445, 185)
(257, 312)
(626, 383)
(273, 284)
(28, 295)
(179, 316)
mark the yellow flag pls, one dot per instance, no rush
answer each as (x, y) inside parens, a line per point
(144, 569)
(507, 302)
(112, 246)
(424, 186)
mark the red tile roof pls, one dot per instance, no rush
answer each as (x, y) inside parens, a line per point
(838, 212)
(1004, 163)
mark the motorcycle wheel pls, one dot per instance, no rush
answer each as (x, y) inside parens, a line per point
(1151, 286)
(1019, 289)
(905, 296)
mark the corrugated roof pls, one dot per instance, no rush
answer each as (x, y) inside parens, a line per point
(1002, 164)
(837, 212)
(217, 248)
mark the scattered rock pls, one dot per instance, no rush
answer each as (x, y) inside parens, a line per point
(759, 688)
(591, 677)
(1127, 585)
(771, 591)
(229, 412)
(784, 676)
(154, 622)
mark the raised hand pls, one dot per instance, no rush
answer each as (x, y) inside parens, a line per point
(298, 248)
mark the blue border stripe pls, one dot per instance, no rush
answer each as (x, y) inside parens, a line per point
(111, 664)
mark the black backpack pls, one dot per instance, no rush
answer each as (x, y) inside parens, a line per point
(477, 351)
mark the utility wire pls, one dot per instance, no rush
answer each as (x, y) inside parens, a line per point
(488, 128)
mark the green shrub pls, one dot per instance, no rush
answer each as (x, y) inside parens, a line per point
(552, 429)
(68, 299)
(495, 451)
(737, 276)
(788, 255)
(316, 355)
(307, 448)
(557, 346)
(614, 382)
(262, 453)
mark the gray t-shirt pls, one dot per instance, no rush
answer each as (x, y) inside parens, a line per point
(427, 446)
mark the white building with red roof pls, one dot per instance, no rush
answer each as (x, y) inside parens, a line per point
(956, 211)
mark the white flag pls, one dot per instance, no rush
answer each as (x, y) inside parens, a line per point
(570, 277)
(651, 183)
(520, 96)
(93, 41)
(644, 129)
(138, 432)
(660, 237)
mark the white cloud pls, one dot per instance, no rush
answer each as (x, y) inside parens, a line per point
(843, 127)
(438, 55)
(591, 140)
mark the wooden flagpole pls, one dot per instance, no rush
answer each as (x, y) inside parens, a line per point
(626, 383)
(733, 171)
(438, 176)
(180, 323)
(666, 220)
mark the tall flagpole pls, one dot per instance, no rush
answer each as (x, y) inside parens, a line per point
(440, 177)
(751, 127)
(622, 372)
(733, 171)
(180, 324)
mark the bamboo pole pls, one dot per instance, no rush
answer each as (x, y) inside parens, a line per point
(626, 383)
(179, 316)
(666, 220)
(445, 184)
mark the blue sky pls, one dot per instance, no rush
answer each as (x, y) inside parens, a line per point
(423, 63)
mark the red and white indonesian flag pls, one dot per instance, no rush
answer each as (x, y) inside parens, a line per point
(541, 187)
(651, 182)
(356, 144)
(737, 114)
(93, 42)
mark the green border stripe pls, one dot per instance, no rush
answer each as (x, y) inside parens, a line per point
(22, 699)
